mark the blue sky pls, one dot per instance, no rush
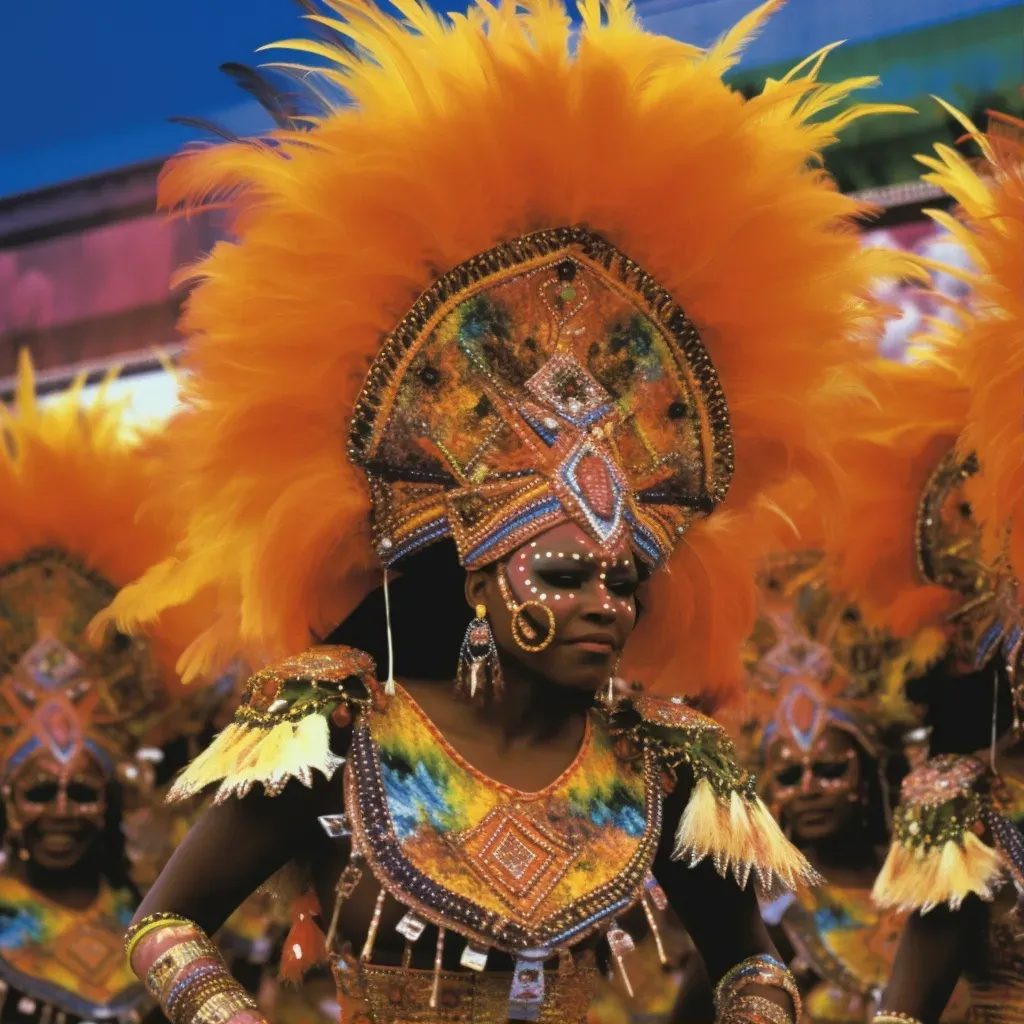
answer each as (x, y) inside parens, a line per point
(90, 84)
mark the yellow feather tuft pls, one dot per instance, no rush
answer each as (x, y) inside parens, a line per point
(739, 834)
(244, 755)
(920, 880)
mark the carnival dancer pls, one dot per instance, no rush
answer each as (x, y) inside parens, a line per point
(73, 719)
(957, 859)
(505, 327)
(825, 711)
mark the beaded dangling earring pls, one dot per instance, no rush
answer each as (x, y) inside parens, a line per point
(479, 666)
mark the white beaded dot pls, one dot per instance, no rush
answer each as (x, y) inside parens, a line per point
(543, 597)
(576, 556)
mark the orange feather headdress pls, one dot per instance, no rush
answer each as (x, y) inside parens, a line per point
(988, 348)
(889, 464)
(73, 483)
(463, 136)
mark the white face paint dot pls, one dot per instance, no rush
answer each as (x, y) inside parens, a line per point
(536, 558)
(558, 597)
(561, 554)
(576, 556)
(543, 597)
(533, 590)
(548, 555)
(522, 568)
(533, 544)
(528, 583)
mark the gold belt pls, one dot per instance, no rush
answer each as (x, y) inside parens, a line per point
(401, 995)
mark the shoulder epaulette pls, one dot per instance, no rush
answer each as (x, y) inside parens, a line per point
(281, 728)
(946, 837)
(724, 818)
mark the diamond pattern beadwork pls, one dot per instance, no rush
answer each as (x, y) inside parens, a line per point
(548, 379)
(507, 870)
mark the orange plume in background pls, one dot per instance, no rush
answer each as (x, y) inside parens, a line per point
(920, 412)
(988, 350)
(74, 478)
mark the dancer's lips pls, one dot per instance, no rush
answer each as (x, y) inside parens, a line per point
(594, 643)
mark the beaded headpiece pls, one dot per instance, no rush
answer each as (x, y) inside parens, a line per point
(814, 662)
(73, 483)
(555, 273)
(548, 379)
(804, 711)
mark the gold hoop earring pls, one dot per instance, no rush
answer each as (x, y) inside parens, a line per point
(530, 644)
(518, 629)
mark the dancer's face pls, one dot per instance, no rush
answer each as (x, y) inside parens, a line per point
(58, 809)
(565, 589)
(818, 791)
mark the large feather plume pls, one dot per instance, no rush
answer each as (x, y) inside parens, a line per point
(462, 132)
(74, 477)
(989, 349)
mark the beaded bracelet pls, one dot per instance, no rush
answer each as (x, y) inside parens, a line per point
(190, 979)
(166, 968)
(757, 970)
(222, 1009)
(182, 985)
(747, 1009)
(189, 1006)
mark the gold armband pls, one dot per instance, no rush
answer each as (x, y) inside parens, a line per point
(893, 1017)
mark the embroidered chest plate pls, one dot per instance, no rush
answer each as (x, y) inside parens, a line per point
(70, 959)
(510, 870)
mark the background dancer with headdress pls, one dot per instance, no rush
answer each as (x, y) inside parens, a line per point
(822, 719)
(957, 860)
(74, 718)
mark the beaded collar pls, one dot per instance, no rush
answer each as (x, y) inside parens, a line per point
(508, 870)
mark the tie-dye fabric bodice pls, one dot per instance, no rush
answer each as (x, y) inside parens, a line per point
(529, 875)
(515, 870)
(70, 960)
(848, 943)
